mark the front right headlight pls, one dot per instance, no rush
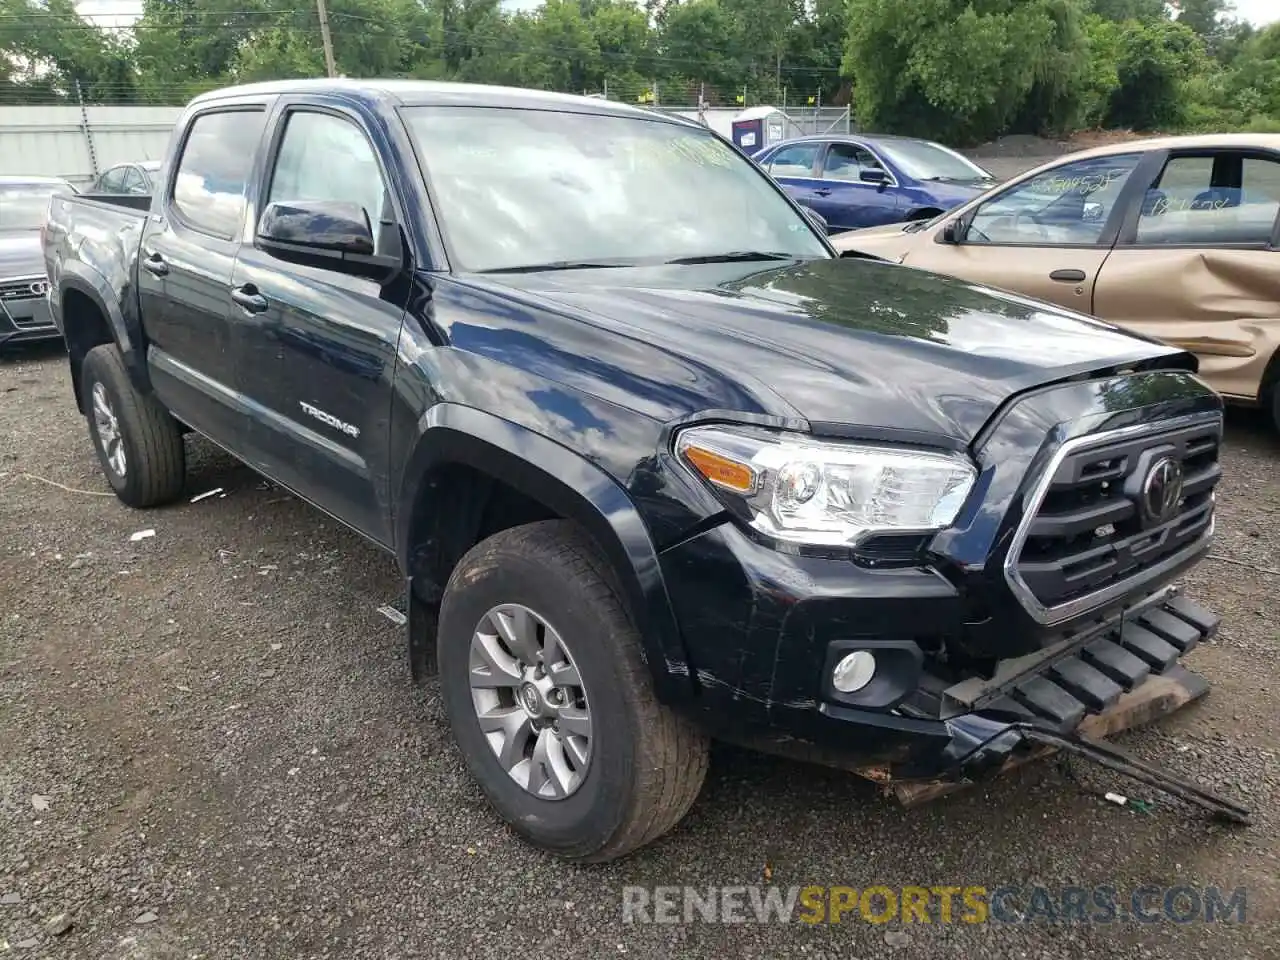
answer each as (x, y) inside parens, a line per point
(795, 488)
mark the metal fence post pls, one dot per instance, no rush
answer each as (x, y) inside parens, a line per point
(87, 131)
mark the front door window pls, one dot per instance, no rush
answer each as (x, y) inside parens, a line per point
(1065, 206)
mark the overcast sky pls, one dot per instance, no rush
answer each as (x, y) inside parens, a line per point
(120, 12)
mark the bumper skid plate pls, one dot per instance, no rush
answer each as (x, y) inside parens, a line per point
(1122, 679)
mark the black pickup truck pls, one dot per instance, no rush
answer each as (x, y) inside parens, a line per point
(657, 465)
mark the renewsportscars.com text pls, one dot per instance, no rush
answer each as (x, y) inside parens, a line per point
(936, 904)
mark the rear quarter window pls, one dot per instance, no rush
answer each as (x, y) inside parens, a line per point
(213, 169)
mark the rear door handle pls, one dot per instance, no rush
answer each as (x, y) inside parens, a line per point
(155, 264)
(1068, 276)
(249, 299)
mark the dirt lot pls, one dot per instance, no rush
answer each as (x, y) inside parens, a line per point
(210, 747)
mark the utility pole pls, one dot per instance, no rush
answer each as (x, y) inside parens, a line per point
(330, 67)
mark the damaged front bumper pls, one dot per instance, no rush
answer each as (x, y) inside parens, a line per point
(1066, 698)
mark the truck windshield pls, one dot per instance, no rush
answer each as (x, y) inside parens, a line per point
(25, 206)
(524, 188)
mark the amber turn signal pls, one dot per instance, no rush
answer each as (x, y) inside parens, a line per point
(722, 471)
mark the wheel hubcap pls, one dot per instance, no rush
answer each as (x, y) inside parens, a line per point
(108, 428)
(530, 701)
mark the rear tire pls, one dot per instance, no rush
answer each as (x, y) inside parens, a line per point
(139, 444)
(645, 763)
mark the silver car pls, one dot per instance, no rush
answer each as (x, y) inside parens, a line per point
(24, 305)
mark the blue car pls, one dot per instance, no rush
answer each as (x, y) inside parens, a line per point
(857, 181)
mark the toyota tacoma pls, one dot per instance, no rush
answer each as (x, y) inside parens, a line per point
(657, 465)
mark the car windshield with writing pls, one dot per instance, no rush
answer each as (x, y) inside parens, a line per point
(537, 189)
(931, 161)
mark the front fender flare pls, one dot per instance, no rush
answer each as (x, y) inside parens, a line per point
(573, 487)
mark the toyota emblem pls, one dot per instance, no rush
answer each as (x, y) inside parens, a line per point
(1161, 491)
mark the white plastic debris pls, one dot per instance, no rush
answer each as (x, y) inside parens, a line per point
(141, 535)
(39, 801)
(1118, 799)
(208, 493)
(392, 614)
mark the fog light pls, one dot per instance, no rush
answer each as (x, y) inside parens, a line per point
(854, 672)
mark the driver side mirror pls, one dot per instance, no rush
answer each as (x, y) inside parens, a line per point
(952, 233)
(818, 220)
(873, 176)
(330, 235)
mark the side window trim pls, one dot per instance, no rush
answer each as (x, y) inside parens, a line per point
(169, 207)
(1128, 202)
(280, 125)
(1128, 235)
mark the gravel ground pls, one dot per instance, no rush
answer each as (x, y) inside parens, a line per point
(210, 747)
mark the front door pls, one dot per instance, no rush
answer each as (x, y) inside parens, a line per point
(845, 199)
(1045, 237)
(320, 346)
(184, 272)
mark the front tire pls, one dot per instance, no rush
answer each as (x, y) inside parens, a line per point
(139, 444)
(550, 701)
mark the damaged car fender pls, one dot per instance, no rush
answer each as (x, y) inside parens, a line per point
(564, 483)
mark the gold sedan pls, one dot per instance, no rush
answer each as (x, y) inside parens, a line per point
(1177, 238)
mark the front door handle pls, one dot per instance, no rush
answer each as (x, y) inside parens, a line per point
(155, 264)
(822, 192)
(249, 299)
(1067, 276)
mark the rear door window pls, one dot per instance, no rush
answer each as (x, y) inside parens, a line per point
(795, 160)
(216, 160)
(1208, 201)
(112, 181)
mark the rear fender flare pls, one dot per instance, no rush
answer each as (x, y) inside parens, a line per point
(574, 488)
(89, 283)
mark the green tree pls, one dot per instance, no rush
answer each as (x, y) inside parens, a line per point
(1120, 10)
(964, 69)
(49, 51)
(1155, 61)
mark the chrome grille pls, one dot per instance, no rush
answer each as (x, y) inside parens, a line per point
(27, 288)
(1097, 523)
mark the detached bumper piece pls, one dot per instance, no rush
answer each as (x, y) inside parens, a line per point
(1120, 680)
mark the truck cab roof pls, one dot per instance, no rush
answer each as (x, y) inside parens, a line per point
(439, 93)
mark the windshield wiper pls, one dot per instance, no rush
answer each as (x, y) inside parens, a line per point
(601, 264)
(734, 256)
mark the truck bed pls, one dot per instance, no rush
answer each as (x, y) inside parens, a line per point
(96, 237)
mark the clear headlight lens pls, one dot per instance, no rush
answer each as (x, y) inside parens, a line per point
(826, 493)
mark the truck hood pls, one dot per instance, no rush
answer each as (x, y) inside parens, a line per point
(20, 254)
(847, 342)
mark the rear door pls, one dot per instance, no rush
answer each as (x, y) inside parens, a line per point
(1047, 236)
(795, 167)
(845, 199)
(318, 346)
(1197, 264)
(184, 269)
